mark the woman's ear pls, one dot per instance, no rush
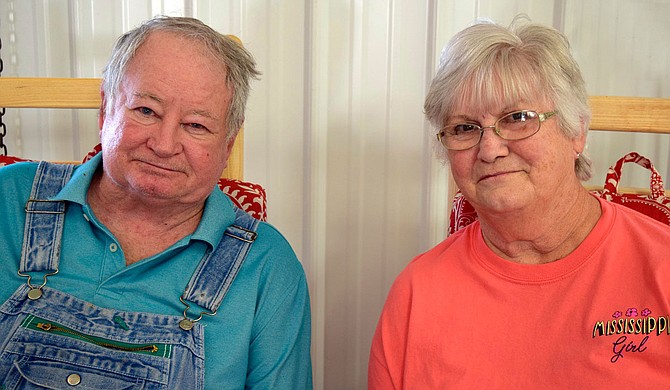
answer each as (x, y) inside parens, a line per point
(579, 142)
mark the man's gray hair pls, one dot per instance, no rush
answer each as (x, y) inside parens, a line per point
(239, 64)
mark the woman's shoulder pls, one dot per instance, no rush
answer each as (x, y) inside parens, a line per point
(645, 216)
(454, 248)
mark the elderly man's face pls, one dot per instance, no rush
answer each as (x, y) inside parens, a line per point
(165, 138)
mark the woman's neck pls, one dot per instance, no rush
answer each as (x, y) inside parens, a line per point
(543, 233)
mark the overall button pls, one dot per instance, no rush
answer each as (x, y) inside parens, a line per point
(113, 247)
(73, 379)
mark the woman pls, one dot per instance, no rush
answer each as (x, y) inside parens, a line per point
(552, 287)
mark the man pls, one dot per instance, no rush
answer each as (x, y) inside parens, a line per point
(134, 267)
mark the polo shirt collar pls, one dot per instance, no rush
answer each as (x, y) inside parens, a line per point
(216, 217)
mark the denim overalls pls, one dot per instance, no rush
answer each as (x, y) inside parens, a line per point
(49, 339)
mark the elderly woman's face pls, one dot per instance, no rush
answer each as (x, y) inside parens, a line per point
(499, 175)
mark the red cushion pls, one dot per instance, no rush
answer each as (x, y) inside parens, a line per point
(248, 196)
(6, 160)
(655, 205)
(462, 213)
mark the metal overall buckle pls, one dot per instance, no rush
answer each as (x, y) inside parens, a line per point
(187, 323)
(36, 292)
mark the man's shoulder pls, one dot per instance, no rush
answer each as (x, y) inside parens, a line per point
(272, 251)
(269, 236)
(21, 169)
(16, 179)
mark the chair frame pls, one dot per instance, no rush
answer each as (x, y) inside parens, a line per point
(632, 115)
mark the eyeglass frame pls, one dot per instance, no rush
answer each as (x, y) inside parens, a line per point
(543, 116)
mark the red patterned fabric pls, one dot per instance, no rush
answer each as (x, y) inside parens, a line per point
(462, 213)
(6, 160)
(248, 196)
(655, 205)
(96, 149)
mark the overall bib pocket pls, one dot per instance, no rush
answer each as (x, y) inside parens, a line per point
(45, 354)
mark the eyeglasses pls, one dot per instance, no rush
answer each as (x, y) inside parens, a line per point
(516, 125)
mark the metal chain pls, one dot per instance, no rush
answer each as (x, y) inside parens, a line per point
(3, 126)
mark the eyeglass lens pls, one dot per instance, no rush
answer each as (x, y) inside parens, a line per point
(513, 126)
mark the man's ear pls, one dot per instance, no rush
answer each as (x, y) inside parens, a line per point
(229, 148)
(102, 113)
(231, 143)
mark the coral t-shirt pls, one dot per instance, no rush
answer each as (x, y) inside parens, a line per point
(459, 316)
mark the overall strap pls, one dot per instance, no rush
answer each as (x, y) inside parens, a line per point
(217, 270)
(44, 219)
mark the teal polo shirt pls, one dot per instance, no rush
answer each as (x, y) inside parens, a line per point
(260, 335)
